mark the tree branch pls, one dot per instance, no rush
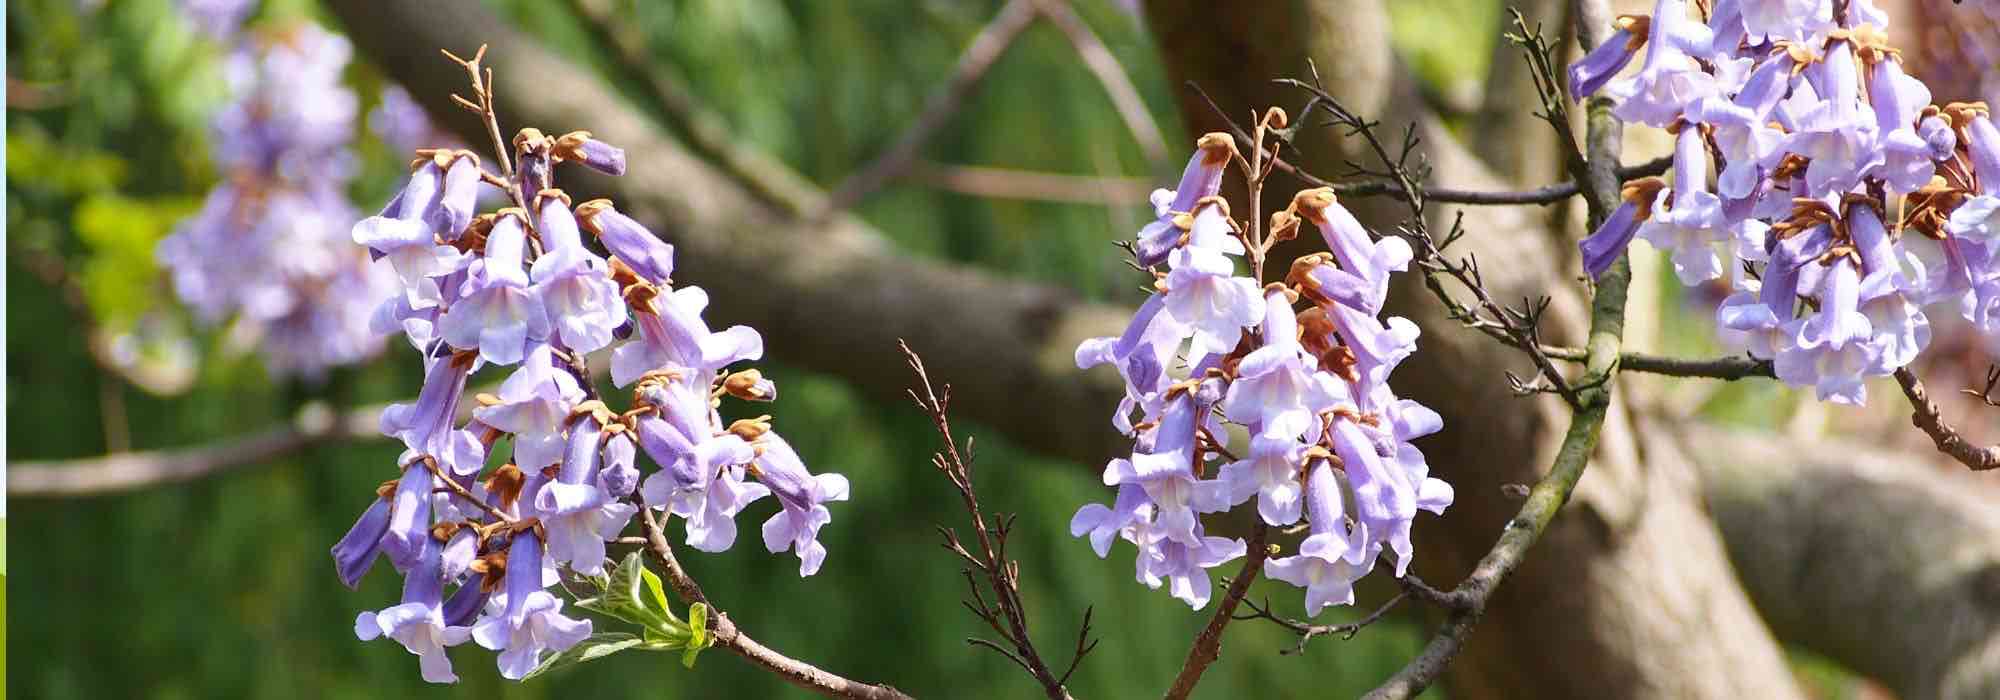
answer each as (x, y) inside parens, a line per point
(1208, 644)
(1928, 418)
(706, 132)
(96, 476)
(1725, 368)
(1124, 97)
(730, 637)
(979, 56)
(1001, 183)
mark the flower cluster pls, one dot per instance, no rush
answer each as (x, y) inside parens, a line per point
(1327, 439)
(1843, 201)
(518, 287)
(268, 246)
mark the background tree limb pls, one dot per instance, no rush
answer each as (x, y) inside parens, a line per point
(830, 295)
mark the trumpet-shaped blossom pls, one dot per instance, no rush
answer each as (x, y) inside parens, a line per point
(1334, 556)
(801, 496)
(1201, 179)
(499, 314)
(419, 622)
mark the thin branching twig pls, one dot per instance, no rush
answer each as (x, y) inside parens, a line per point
(1006, 614)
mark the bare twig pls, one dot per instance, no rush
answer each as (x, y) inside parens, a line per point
(1307, 630)
(1117, 85)
(1550, 194)
(1725, 368)
(1985, 393)
(979, 56)
(482, 88)
(1001, 183)
(454, 488)
(728, 636)
(1928, 418)
(1006, 614)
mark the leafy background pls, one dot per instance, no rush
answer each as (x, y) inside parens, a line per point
(222, 587)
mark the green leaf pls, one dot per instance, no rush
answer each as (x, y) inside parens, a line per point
(653, 584)
(596, 647)
(698, 638)
(626, 598)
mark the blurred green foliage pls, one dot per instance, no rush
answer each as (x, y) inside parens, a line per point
(223, 588)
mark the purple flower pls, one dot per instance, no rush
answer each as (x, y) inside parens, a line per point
(1668, 81)
(1142, 355)
(404, 235)
(672, 334)
(419, 622)
(1603, 246)
(1377, 347)
(1204, 295)
(1278, 386)
(532, 405)
(356, 551)
(580, 147)
(1102, 523)
(701, 477)
(499, 314)
(1898, 99)
(800, 493)
(1181, 564)
(1167, 471)
(1334, 556)
(1596, 68)
(573, 283)
(578, 515)
(1201, 179)
(1385, 500)
(629, 242)
(1687, 219)
(426, 426)
(1835, 134)
(1831, 351)
(619, 477)
(1271, 473)
(1358, 255)
(531, 620)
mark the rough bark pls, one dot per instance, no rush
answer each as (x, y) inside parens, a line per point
(1630, 594)
(1882, 563)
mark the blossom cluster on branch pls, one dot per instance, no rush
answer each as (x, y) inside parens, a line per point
(1843, 204)
(518, 287)
(1210, 349)
(268, 246)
